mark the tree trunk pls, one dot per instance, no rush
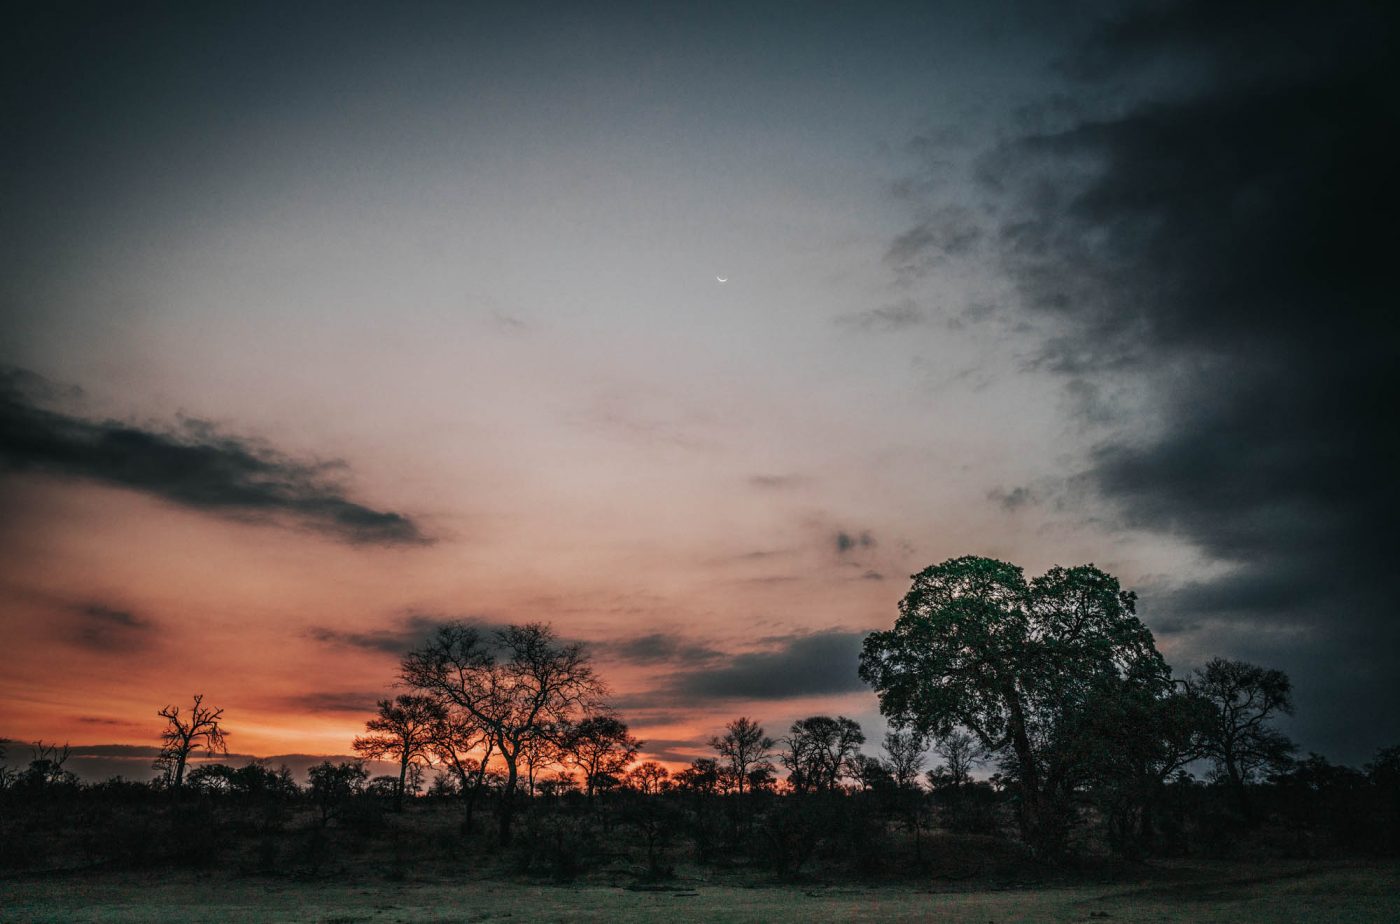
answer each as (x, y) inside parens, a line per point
(180, 768)
(1031, 812)
(1232, 771)
(508, 801)
(403, 776)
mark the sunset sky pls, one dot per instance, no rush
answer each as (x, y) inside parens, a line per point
(323, 323)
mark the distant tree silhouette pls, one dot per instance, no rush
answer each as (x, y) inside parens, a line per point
(541, 752)
(403, 731)
(701, 777)
(455, 736)
(7, 773)
(186, 733)
(648, 778)
(904, 750)
(518, 686)
(601, 747)
(45, 769)
(960, 752)
(333, 785)
(1239, 740)
(743, 747)
(819, 750)
(976, 646)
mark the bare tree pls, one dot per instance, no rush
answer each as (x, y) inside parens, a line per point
(960, 752)
(904, 756)
(403, 731)
(185, 733)
(516, 686)
(46, 765)
(744, 747)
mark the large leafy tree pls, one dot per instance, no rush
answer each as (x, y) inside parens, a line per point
(976, 646)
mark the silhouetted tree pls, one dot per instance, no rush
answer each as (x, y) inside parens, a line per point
(455, 736)
(742, 747)
(977, 646)
(818, 751)
(7, 773)
(904, 756)
(601, 748)
(648, 778)
(1239, 740)
(542, 752)
(517, 686)
(45, 769)
(701, 777)
(960, 752)
(1123, 743)
(403, 731)
(185, 733)
(333, 785)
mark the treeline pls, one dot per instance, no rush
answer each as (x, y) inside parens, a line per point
(1029, 721)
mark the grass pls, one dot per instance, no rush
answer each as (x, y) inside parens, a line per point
(1277, 891)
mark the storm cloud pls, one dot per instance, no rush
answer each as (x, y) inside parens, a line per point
(404, 634)
(1225, 239)
(192, 464)
(820, 663)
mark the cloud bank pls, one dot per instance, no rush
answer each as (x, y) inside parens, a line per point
(192, 464)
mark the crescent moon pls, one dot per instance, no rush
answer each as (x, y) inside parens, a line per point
(722, 278)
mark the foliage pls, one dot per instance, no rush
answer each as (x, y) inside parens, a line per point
(978, 647)
(403, 731)
(1238, 739)
(744, 749)
(518, 686)
(819, 751)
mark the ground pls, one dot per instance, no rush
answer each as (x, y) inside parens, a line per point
(1276, 892)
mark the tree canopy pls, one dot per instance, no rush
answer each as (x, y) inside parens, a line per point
(977, 646)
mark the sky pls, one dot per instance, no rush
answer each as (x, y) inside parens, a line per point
(322, 324)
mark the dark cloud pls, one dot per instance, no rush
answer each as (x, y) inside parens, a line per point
(656, 648)
(347, 701)
(403, 635)
(192, 464)
(949, 231)
(104, 628)
(850, 541)
(797, 665)
(674, 750)
(1013, 499)
(1227, 237)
